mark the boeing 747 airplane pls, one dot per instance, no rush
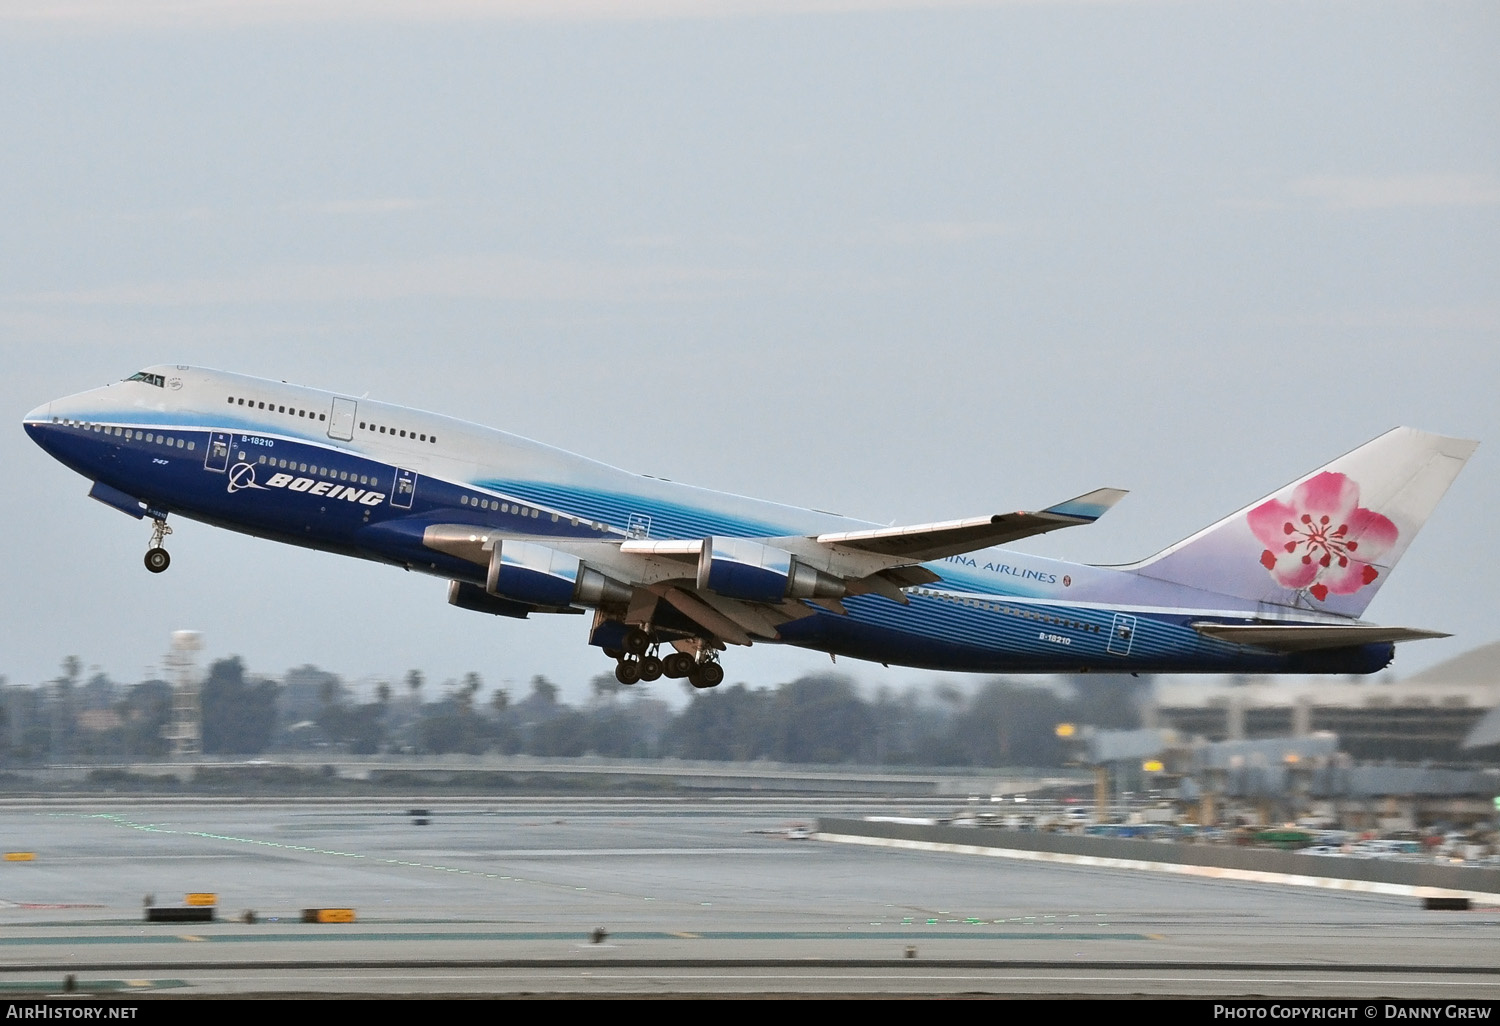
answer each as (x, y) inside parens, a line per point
(673, 574)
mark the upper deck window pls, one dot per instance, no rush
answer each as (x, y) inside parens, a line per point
(159, 380)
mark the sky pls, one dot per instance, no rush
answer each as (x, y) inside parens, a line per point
(908, 261)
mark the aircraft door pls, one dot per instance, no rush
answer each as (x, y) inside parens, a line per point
(1121, 634)
(217, 457)
(341, 420)
(404, 490)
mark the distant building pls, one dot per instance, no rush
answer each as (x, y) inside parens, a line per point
(1425, 718)
(99, 719)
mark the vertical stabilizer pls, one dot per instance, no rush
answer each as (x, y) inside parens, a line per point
(1328, 540)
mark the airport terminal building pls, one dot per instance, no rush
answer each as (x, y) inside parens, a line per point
(1441, 715)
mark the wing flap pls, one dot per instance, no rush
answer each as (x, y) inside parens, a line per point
(1310, 637)
(692, 606)
(920, 543)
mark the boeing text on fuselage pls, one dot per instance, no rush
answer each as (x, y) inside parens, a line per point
(674, 575)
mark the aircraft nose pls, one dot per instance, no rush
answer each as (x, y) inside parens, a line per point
(34, 420)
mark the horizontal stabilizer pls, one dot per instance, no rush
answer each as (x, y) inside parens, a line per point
(1310, 637)
(921, 543)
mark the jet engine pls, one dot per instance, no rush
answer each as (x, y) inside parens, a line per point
(539, 575)
(742, 568)
(473, 597)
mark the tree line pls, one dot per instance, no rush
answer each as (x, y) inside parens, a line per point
(819, 718)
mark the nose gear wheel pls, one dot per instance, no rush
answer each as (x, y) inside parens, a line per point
(157, 558)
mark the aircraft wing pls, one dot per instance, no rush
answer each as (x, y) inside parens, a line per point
(923, 542)
(1310, 637)
(739, 589)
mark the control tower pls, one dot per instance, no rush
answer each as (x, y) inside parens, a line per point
(186, 729)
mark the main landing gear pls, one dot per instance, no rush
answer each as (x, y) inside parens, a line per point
(637, 661)
(157, 558)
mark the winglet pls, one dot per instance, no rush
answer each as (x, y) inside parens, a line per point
(1089, 506)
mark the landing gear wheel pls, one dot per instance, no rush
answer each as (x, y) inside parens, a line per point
(636, 641)
(706, 675)
(677, 665)
(627, 671)
(651, 668)
(157, 559)
(615, 653)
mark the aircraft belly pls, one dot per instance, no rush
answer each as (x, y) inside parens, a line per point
(935, 634)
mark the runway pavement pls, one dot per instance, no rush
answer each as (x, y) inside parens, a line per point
(659, 897)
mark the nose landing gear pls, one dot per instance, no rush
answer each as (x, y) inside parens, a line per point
(157, 558)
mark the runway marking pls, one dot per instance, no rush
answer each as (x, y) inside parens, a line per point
(251, 935)
(1211, 872)
(90, 986)
(121, 821)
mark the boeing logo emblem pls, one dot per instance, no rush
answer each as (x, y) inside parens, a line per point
(242, 475)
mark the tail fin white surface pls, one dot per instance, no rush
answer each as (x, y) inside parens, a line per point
(1328, 540)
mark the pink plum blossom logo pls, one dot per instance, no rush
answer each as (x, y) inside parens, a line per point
(1323, 541)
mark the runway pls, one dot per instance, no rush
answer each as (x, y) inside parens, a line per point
(504, 897)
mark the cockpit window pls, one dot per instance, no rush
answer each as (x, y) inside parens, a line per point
(158, 380)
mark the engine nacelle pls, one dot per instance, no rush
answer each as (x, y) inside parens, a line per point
(743, 568)
(473, 597)
(543, 576)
